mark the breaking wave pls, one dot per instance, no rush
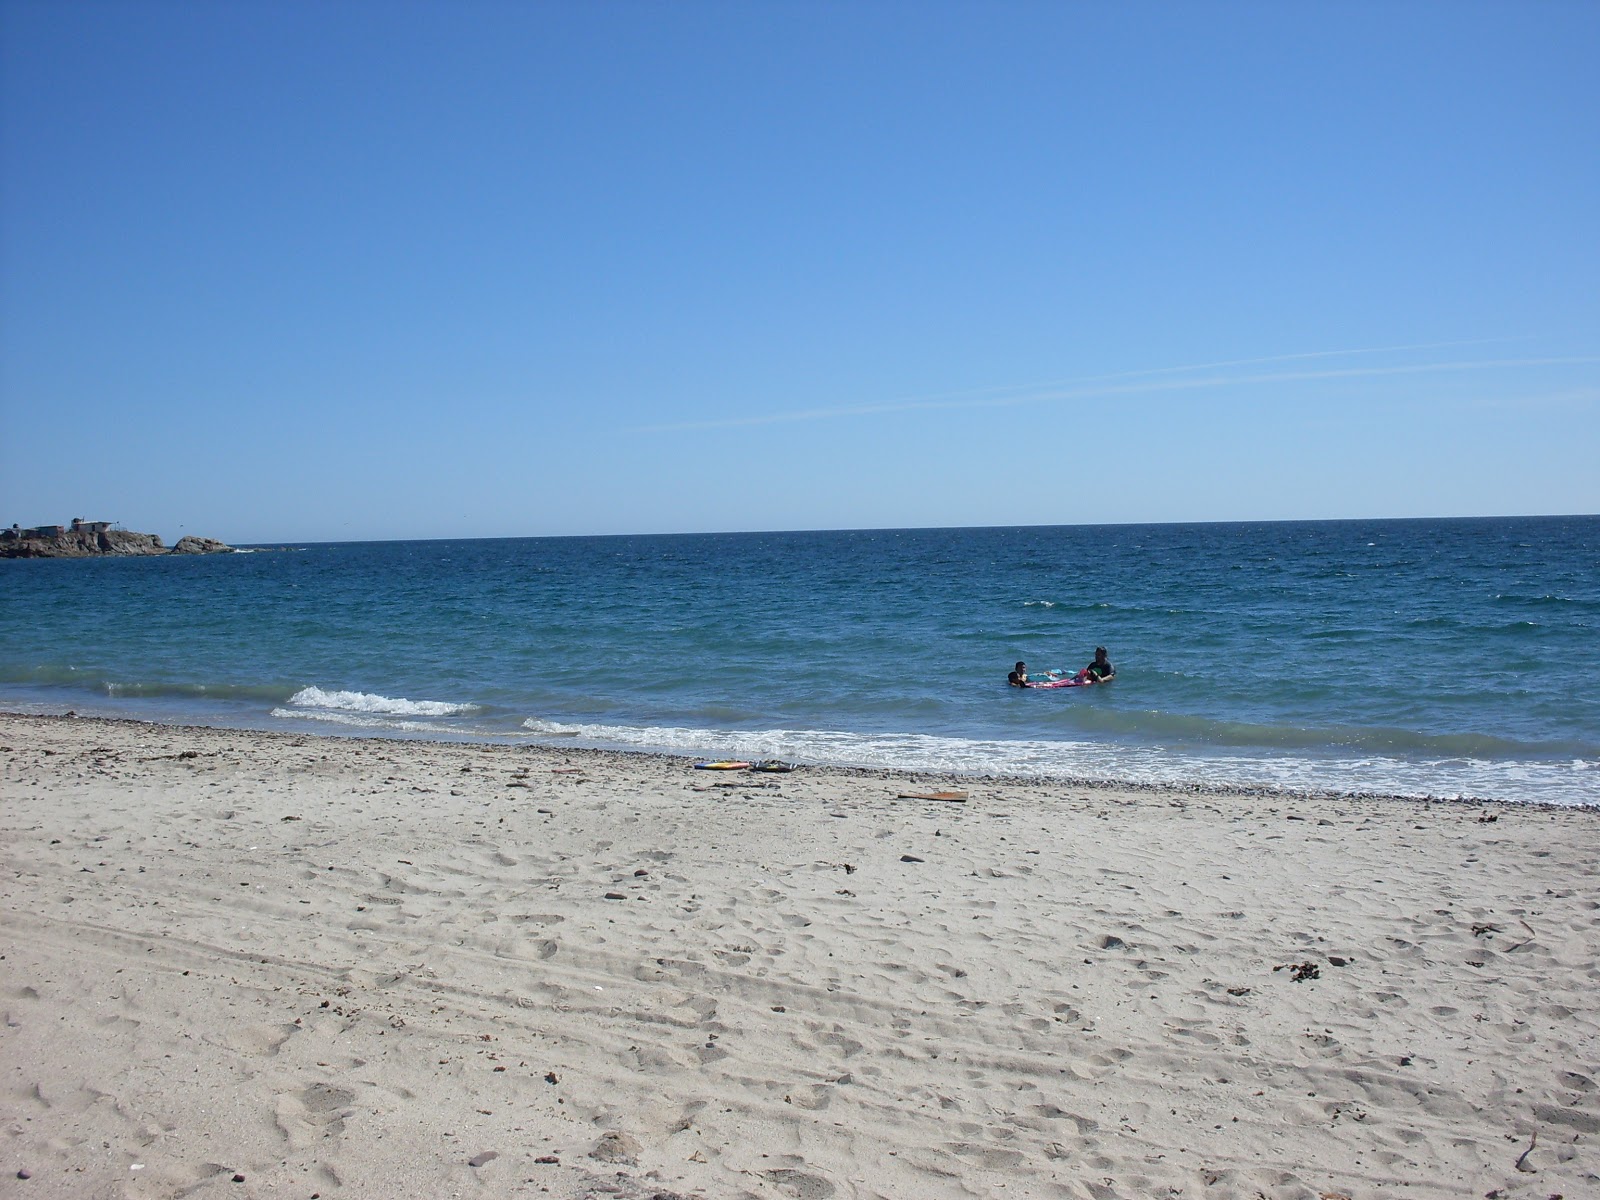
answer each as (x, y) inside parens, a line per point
(366, 702)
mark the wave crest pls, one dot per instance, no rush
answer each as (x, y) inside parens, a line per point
(365, 702)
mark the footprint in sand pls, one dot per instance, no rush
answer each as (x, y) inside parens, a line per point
(799, 1184)
(1081, 1125)
(813, 1097)
(263, 1040)
(703, 1007)
(989, 1156)
(847, 1046)
(312, 1112)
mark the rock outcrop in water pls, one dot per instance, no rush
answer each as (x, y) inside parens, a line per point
(200, 545)
(96, 539)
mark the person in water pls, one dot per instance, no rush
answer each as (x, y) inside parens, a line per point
(1100, 670)
(1018, 677)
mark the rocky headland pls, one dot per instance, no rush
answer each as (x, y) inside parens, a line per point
(96, 540)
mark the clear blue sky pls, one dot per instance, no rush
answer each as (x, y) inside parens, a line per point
(305, 271)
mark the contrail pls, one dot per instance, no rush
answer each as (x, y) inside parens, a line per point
(1275, 358)
(1096, 386)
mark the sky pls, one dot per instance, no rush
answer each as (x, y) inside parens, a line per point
(306, 271)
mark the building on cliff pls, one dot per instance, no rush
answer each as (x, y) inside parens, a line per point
(79, 525)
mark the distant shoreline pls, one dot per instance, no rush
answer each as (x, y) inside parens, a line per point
(96, 540)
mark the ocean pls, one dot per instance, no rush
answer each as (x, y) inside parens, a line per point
(1445, 658)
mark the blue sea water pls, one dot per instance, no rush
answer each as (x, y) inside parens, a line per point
(1411, 657)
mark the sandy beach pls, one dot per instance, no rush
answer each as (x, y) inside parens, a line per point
(250, 964)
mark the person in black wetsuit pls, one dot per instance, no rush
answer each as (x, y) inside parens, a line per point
(1100, 670)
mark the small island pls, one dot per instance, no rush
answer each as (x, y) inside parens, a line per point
(96, 539)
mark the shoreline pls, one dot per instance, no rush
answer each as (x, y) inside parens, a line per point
(548, 744)
(252, 964)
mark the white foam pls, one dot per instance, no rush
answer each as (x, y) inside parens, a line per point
(364, 702)
(355, 720)
(903, 750)
(553, 728)
(1555, 782)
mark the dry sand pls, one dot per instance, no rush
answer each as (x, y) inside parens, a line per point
(250, 965)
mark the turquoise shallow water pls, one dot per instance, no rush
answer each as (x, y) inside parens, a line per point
(1454, 657)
